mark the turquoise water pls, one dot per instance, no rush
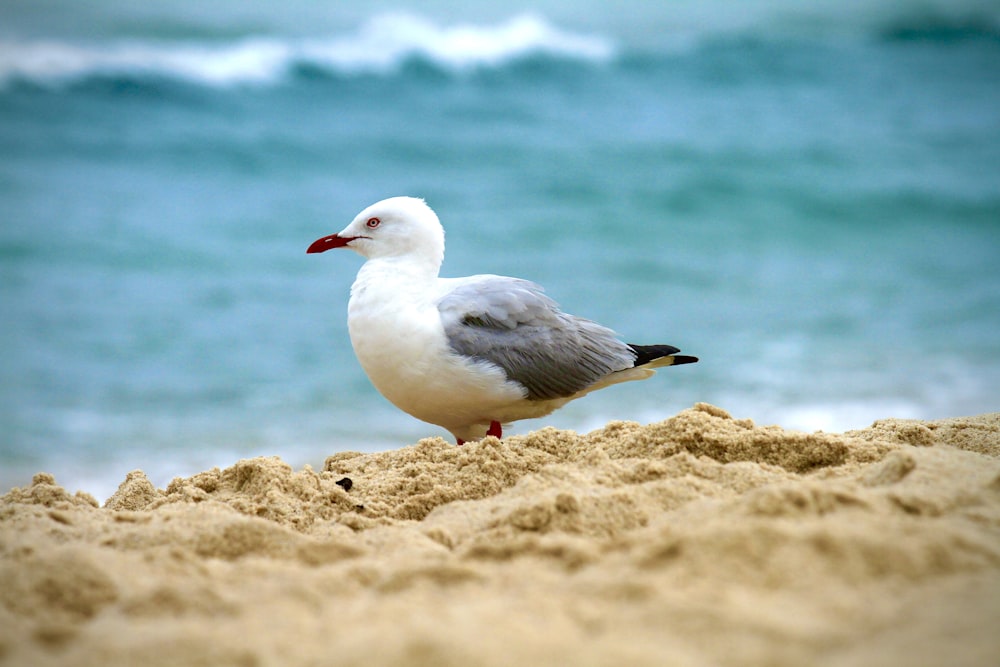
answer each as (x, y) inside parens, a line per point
(809, 202)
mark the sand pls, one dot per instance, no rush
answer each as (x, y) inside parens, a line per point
(699, 540)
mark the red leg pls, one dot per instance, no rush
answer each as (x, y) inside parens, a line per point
(495, 429)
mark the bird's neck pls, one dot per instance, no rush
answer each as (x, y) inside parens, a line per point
(395, 275)
(402, 268)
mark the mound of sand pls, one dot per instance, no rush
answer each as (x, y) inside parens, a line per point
(698, 540)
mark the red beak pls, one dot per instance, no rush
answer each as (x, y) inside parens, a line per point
(329, 242)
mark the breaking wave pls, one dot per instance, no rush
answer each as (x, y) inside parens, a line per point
(384, 44)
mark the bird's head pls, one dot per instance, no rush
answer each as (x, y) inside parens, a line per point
(396, 227)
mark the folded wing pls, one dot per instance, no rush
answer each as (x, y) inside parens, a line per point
(510, 323)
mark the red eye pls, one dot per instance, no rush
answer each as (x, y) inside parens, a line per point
(373, 223)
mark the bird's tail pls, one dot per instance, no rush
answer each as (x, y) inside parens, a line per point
(647, 358)
(659, 356)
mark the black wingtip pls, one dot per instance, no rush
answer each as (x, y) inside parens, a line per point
(683, 359)
(647, 353)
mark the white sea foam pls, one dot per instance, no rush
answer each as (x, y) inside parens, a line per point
(383, 44)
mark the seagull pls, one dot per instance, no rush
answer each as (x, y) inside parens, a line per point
(469, 354)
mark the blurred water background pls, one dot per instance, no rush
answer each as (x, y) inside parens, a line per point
(805, 195)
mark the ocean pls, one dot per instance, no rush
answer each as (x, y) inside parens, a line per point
(806, 198)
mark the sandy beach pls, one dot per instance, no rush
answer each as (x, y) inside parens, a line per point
(703, 539)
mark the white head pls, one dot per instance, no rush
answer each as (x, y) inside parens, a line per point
(398, 227)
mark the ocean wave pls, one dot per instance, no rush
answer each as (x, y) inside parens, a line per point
(383, 44)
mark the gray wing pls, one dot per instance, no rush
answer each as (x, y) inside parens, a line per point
(511, 323)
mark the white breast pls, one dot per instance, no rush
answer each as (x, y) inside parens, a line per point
(400, 342)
